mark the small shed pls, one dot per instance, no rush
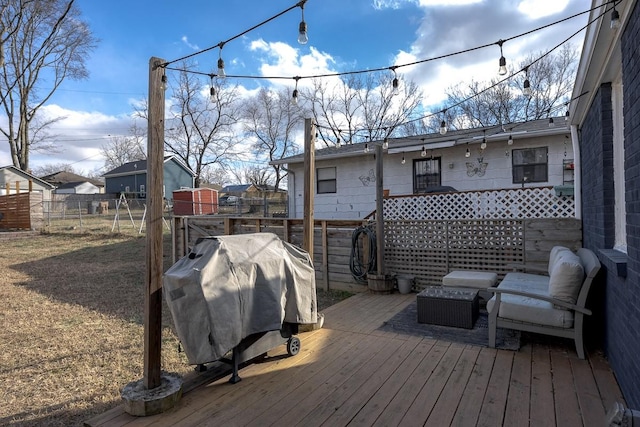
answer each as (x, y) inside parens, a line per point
(195, 201)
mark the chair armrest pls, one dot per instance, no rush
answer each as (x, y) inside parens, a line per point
(552, 300)
(528, 268)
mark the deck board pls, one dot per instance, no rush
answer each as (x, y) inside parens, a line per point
(351, 373)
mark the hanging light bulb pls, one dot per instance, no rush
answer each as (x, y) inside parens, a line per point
(615, 18)
(467, 153)
(294, 97)
(366, 147)
(424, 152)
(502, 63)
(483, 145)
(551, 124)
(526, 86)
(395, 83)
(303, 38)
(212, 89)
(403, 160)
(385, 144)
(566, 116)
(443, 128)
(163, 82)
(510, 140)
(221, 72)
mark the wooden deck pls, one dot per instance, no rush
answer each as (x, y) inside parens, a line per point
(349, 373)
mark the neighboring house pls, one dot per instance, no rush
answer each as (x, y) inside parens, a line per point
(240, 190)
(71, 183)
(606, 126)
(14, 180)
(531, 154)
(131, 178)
(80, 187)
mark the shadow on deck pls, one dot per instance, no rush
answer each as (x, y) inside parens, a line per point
(352, 373)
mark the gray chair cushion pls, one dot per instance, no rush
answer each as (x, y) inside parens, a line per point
(470, 279)
(566, 278)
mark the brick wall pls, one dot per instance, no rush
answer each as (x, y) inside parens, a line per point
(620, 297)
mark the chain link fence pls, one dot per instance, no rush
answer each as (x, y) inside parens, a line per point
(127, 215)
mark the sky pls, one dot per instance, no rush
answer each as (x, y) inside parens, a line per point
(344, 35)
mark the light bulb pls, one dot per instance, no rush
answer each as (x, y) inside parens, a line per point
(526, 88)
(483, 145)
(502, 69)
(403, 160)
(566, 115)
(385, 144)
(302, 33)
(163, 83)
(615, 19)
(467, 153)
(212, 93)
(443, 128)
(424, 152)
(221, 72)
(395, 85)
(551, 124)
(510, 140)
(294, 97)
(366, 147)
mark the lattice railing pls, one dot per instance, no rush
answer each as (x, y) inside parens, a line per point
(428, 250)
(521, 203)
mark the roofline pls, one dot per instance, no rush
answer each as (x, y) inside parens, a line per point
(35, 178)
(414, 143)
(141, 171)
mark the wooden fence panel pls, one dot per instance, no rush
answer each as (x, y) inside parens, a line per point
(15, 211)
(424, 249)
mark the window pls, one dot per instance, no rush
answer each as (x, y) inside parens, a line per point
(530, 165)
(617, 92)
(326, 180)
(426, 173)
(143, 193)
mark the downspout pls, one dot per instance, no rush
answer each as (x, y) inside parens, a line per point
(291, 183)
(577, 178)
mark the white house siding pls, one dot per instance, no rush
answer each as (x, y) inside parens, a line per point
(84, 188)
(356, 185)
(10, 178)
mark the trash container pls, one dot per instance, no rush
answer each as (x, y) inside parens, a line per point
(92, 207)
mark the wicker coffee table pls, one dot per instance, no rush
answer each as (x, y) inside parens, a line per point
(448, 306)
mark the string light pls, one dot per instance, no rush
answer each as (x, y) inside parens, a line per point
(212, 90)
(395, 83)
(615, 18)
(163, 84)
(366, 147)
(510, 140)
(424, 152)
(302, 28)
(294, 96)
(551, 123)
(526, 86)
(502, 62)
(443, 123)
(403, 160)
(385, 144)
(566, 116)
(221, 73)
(467, 154)
(483, 145)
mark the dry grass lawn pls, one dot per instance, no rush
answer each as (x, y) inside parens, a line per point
(71, 337)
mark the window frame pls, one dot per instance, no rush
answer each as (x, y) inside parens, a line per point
(529, 166)
(322, 182)
(417, 189)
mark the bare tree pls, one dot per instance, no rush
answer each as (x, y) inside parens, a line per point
(259, 176)
(123, 149)
(51, 168)
(200, 128)
(272, 120)
(357, 103)
(43, 43)
(550, 76)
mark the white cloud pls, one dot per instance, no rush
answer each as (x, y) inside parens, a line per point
(192, 46)
(536, 9)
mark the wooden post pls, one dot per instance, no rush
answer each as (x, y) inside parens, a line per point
(379, 210)
(325, 256)
(309, 184)
(155, 161)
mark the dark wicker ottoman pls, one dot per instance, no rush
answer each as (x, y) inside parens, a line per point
(448, 307)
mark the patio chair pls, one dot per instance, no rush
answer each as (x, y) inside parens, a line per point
(550, 305)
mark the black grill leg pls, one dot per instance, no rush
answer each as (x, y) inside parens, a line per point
(235, 378)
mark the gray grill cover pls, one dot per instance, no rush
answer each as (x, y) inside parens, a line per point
(230, 287)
